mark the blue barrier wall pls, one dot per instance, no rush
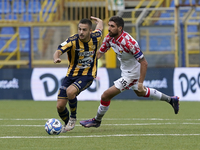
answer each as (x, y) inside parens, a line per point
(42, 84)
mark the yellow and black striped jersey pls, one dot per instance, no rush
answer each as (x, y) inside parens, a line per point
(81, 55)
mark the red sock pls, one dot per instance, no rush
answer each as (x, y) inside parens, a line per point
(104, 103)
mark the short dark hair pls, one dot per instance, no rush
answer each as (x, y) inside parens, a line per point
(118, 20)
(86, 21)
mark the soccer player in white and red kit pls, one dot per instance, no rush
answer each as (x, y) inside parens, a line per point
(133, 66)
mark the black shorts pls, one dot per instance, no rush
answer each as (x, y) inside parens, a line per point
(79, 82)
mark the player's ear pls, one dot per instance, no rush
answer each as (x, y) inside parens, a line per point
(120, 28)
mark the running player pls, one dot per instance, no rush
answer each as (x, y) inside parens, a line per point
(133, 67)
(81, 49)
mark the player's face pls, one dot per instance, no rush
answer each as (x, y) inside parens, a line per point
(113, 30)
(84, 32)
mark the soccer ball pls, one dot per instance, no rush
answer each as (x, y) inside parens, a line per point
(53, 126)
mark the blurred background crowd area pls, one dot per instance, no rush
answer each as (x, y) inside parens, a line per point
(31, 30)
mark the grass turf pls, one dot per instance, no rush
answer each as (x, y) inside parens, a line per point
(128, 125)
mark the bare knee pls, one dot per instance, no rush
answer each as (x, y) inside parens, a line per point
(71, 92)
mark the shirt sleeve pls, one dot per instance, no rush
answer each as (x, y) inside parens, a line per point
(65, 46)
(105, 45)
(135, 49)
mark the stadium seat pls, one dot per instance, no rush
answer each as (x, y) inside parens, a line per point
(143, 43)
(49, 11)
(34, 6)
(24, 32)
(7, 30)
(27, 46)
(5, 7)
(12, 46)
(10, 17)
(27, 18)
(165, 22)
(19, 6)
(2, 43)
(36, 33)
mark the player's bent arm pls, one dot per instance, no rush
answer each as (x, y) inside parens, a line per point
(99, 54)
(56, 56)
(99, 23)
(143, 69)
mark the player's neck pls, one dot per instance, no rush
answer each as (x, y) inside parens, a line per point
(117, 36)
(85, 40)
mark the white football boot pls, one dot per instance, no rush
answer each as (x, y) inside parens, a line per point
(70, 125)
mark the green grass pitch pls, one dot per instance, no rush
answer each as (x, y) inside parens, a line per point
(128, 125)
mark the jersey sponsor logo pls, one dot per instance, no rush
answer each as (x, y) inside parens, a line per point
(79, 49)
(86, 54)
(85, 62)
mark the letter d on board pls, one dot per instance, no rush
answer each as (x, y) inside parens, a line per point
(182, 86)
(49, 93)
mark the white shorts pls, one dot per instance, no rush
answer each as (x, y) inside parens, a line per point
(125, 83)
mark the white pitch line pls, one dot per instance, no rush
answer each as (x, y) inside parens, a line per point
(131, 124)
(160, 119)
(93, 136)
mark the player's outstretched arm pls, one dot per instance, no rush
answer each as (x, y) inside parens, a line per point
(56, 56)
(143, 70)
(99, 23)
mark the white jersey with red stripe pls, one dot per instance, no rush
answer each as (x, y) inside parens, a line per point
(128, 53)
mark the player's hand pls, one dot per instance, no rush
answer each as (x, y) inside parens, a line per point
(141, 87)
(96, 19)
(58, 60)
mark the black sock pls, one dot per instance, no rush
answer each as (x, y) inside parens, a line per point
(73, 107)
(64, 115)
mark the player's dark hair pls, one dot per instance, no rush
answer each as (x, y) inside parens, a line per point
(86, 21)
(118, 20)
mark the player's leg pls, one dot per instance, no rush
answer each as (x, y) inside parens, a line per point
(104, 105)
(81, 83)
(71, 93)
(105, 101)
(62, 110)
(157, 95)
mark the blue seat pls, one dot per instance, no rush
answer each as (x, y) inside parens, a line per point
(10, 17)
(12, 46)
(27, 18)
(34, 6)
(19, 6)
(24, 32)
(7, 30)
(26, 47)
(2, 43)
(187, 2)
(5, 7)
(36, 33)
(165, 22)
(45, 8)
(160, 43)
(143, 43)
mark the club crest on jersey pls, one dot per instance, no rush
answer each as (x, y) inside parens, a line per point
(121, 51)
(93, 47)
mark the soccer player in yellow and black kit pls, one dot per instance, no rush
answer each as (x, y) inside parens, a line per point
(81, 49)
